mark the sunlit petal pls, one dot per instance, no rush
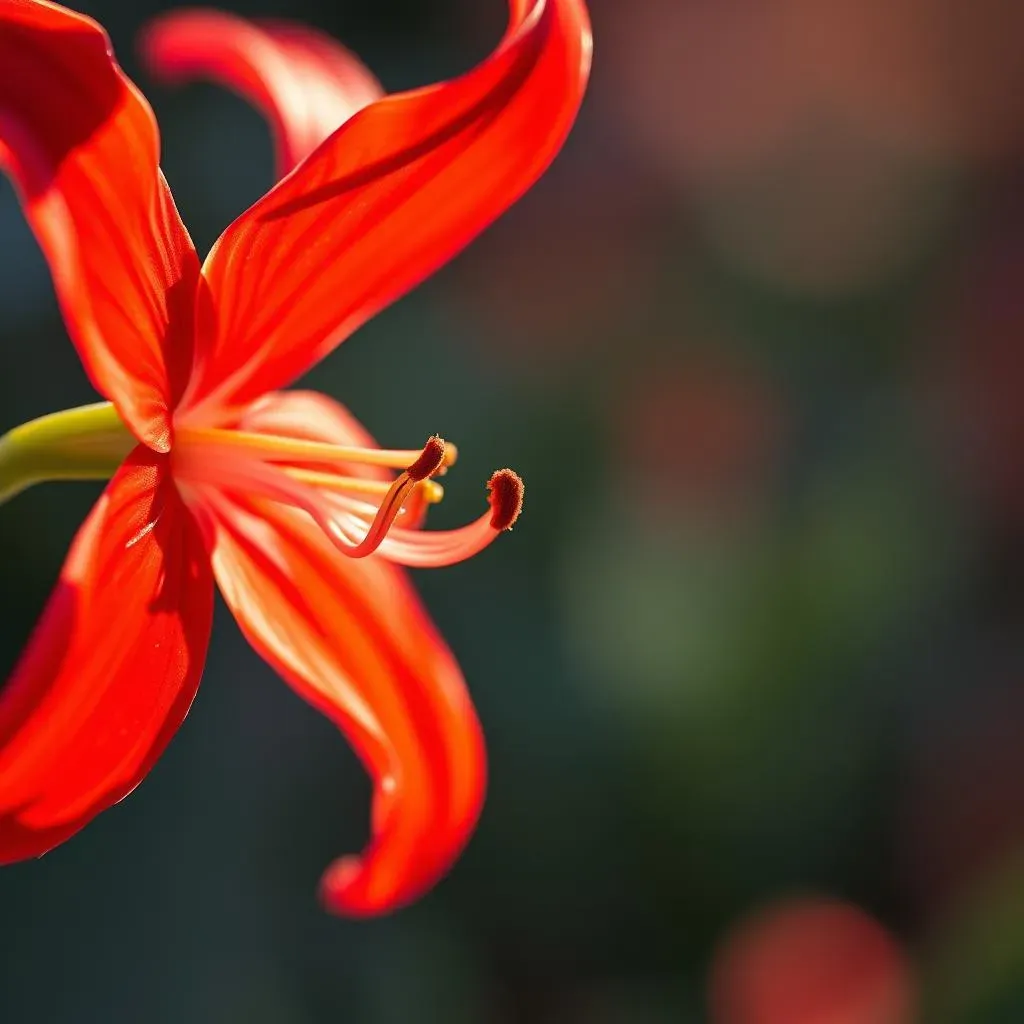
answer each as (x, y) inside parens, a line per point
(304, 82)
(112, 667)
(353, 640)
(399, 189)
(82, 147)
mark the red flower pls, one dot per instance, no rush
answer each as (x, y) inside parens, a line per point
(811, 960)
(230, 479)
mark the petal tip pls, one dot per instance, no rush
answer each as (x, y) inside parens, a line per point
(346, 890)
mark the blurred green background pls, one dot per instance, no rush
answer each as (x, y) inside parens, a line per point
(755, 344)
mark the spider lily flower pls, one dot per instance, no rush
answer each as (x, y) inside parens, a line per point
(280, 497)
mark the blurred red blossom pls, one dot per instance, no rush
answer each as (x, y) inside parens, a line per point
(811, 961)
(700, 433)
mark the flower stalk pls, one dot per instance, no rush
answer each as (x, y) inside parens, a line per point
(85, 443)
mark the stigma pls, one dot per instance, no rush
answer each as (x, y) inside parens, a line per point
(365, 499)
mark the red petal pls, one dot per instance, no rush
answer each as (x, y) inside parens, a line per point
(113, 665)
(392, 195)
(82, 146)
(353, 640)
(305, 83)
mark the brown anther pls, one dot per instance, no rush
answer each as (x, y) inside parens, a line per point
(430, 460)
(506, 497)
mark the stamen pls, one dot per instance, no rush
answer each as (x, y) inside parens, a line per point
(427, 463)
(281, 449)
(298, 472)
(218, 465)
(383, 521)
(505, 494)
(430, 491)
(433, 549)
(430, 461)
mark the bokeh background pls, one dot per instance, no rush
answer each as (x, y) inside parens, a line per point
(751, 667)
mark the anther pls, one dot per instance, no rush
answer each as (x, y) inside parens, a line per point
(506, 490)
(430, 461)
(432, 492)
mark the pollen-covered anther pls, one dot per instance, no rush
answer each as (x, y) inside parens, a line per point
(431, 459)
(505, 494)
(433, 548)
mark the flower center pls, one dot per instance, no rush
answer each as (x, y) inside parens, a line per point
(336, 484)
(351, 492)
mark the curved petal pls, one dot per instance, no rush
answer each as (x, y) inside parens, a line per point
(304, 82)
(353, 640)
(112, 667)
(82, 147)
(389, 197)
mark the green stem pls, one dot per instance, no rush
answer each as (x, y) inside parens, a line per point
(87, 443)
